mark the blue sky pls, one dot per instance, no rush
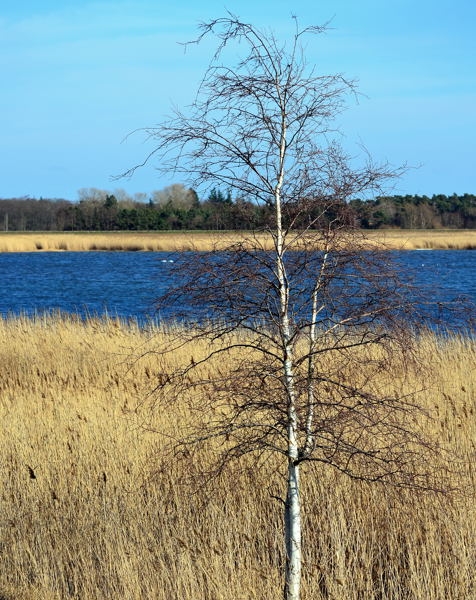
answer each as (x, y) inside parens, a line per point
(78, 76)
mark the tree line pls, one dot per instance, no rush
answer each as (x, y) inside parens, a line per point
(177, 207)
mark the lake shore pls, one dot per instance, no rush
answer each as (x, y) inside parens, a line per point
(178, 241)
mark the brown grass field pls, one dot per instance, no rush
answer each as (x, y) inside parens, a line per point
(81, 516)
(179, 241)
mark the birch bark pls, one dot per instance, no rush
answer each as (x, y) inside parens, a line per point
(292, 511)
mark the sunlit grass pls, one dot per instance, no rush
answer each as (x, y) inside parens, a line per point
(83, 517)
(183, 241)
(115, 241)
(426, 239)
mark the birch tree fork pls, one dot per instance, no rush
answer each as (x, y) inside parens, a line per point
(315, 329)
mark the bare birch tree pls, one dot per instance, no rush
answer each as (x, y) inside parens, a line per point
(312, 319)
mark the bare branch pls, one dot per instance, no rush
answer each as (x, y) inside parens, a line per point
(294, 350)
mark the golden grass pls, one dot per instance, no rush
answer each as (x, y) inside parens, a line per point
(180, 241)
(434, 239)
(81, 518)
(113, 241)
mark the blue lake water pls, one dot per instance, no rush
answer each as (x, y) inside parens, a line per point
(126, 284)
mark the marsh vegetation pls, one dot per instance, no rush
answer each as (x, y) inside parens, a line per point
(186, 240)
(92, 508)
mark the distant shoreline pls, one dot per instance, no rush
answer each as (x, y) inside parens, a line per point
(180, 241)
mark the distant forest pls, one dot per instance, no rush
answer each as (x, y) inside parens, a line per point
(177, 207)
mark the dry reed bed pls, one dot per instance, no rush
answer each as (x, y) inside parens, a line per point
(113, 241)
(433, 239)
(180, 241)
(82, 518)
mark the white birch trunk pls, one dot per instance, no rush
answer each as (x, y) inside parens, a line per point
(292, 512)
(292, 521)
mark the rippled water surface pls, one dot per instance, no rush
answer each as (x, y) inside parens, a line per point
(126, 284)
